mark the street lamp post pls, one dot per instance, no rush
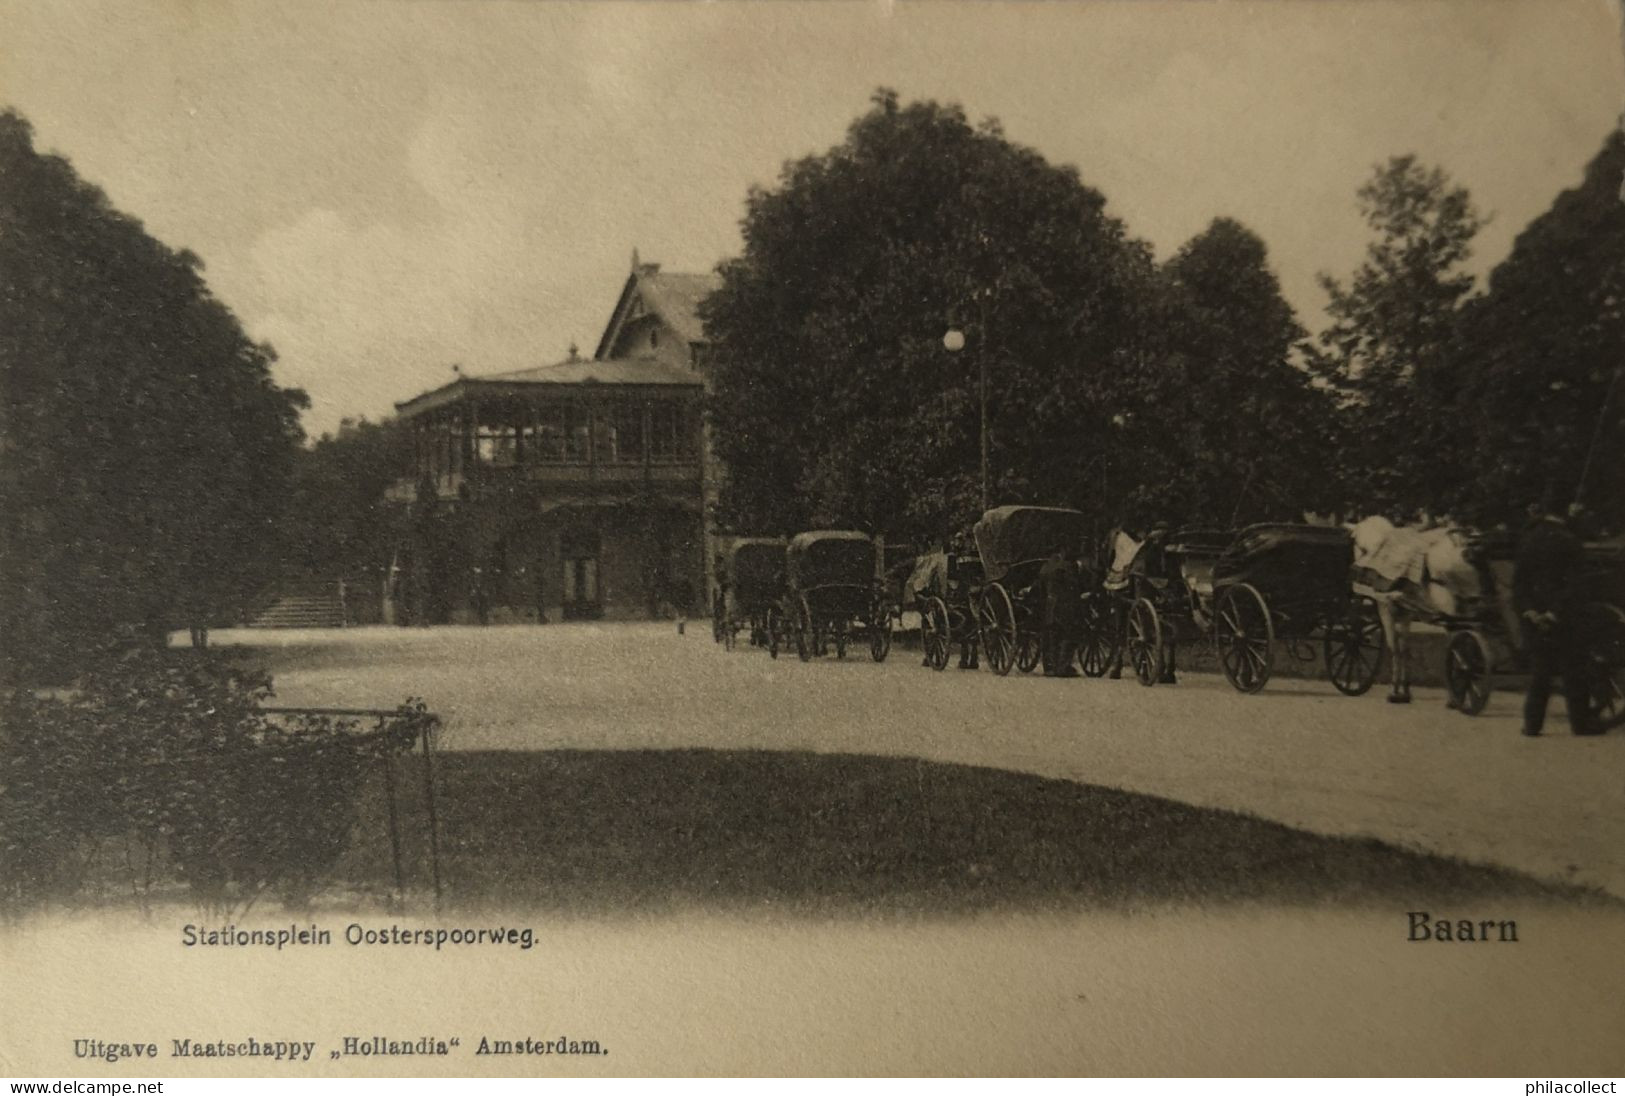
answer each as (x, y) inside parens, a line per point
(954, 341)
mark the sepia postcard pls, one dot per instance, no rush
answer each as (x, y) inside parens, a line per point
(857, 538)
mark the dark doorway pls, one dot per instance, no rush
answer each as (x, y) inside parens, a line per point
(583, 594)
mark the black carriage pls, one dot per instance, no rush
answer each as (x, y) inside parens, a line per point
(1014, 542)
(834, 595)
(754, 590)
(1486, 640)
(1291, 583)
(1166, 597)
(946, 587)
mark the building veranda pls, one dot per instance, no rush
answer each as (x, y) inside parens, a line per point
(575, 490)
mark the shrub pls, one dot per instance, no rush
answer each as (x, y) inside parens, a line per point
(173, 749)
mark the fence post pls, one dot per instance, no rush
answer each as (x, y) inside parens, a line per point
(434, 823)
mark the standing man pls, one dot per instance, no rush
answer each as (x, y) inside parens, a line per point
(719, 599)
(1058, 579)
(538, 582)
(478, 595)
(1551, 609)
(682, 594)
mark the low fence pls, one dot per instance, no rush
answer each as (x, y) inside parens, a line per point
(424, 743)
(191, 787)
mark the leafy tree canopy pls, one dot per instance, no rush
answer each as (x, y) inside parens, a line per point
(338, 520)
(834, 400)
(1541, 354)
(146, 447)
(1246, 428)
(1389, 348)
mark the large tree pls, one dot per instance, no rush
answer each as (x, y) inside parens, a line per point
(1541, 355)
(1247, 428)
(339, 522)
(146, 448)
(1389, 347)
(833, 397)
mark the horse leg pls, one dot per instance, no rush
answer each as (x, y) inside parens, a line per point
(1401, 693)
(1120, 630)
(1390, 635)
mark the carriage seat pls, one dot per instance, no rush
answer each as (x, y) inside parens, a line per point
(1198, 575)
(1197, 550)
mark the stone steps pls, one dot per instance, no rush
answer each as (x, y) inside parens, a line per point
(301, 611)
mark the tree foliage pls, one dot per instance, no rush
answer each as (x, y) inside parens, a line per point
(1389, 350)
(1128, 390)
(338, 520)
(146, 448)
(833, 398)
(1541, 353)
(1249, 427)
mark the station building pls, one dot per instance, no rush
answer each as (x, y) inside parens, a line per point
(576, 490)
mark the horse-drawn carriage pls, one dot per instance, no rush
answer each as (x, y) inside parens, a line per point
(754, 589)
(1247, 590)
(1014, 542)
(1292, 583)
(1163, 595)
(833, 596)
(1486, 640)
(946, 587)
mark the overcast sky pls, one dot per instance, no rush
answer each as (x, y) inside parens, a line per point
(380, 189)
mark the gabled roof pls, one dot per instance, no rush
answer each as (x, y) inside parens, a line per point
(675, 298)
(571, 372)
(645, 370)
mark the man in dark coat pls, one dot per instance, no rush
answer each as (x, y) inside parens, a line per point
(1547, 593)
(1058, 581)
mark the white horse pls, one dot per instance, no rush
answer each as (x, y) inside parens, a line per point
(1412, 573)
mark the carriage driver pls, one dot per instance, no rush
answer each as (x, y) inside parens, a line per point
(1058, 582)
(959, 547)
(1552, 609)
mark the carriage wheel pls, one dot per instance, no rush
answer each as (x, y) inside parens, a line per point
(1145, 642)
(806, 638)
(1245, 637)
(1607, 653)
(997, 626)
(880, 632)
(775, 624)
(1354, 648)
(1029, 649)
(1468, 673)
(1099, 645)
(935, 633)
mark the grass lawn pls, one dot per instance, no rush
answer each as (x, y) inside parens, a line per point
(638, 831)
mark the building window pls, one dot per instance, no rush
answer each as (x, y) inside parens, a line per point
(605, 435)
(627, 419)
(619, 438)
(498, 445)
(446, 446)
(578, 441)
(562, 434)
(671, 432)
(654, 338)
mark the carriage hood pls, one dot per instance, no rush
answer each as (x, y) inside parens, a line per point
(756, 565)
(1012, 535)
(1311, 560)
(831, 557)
